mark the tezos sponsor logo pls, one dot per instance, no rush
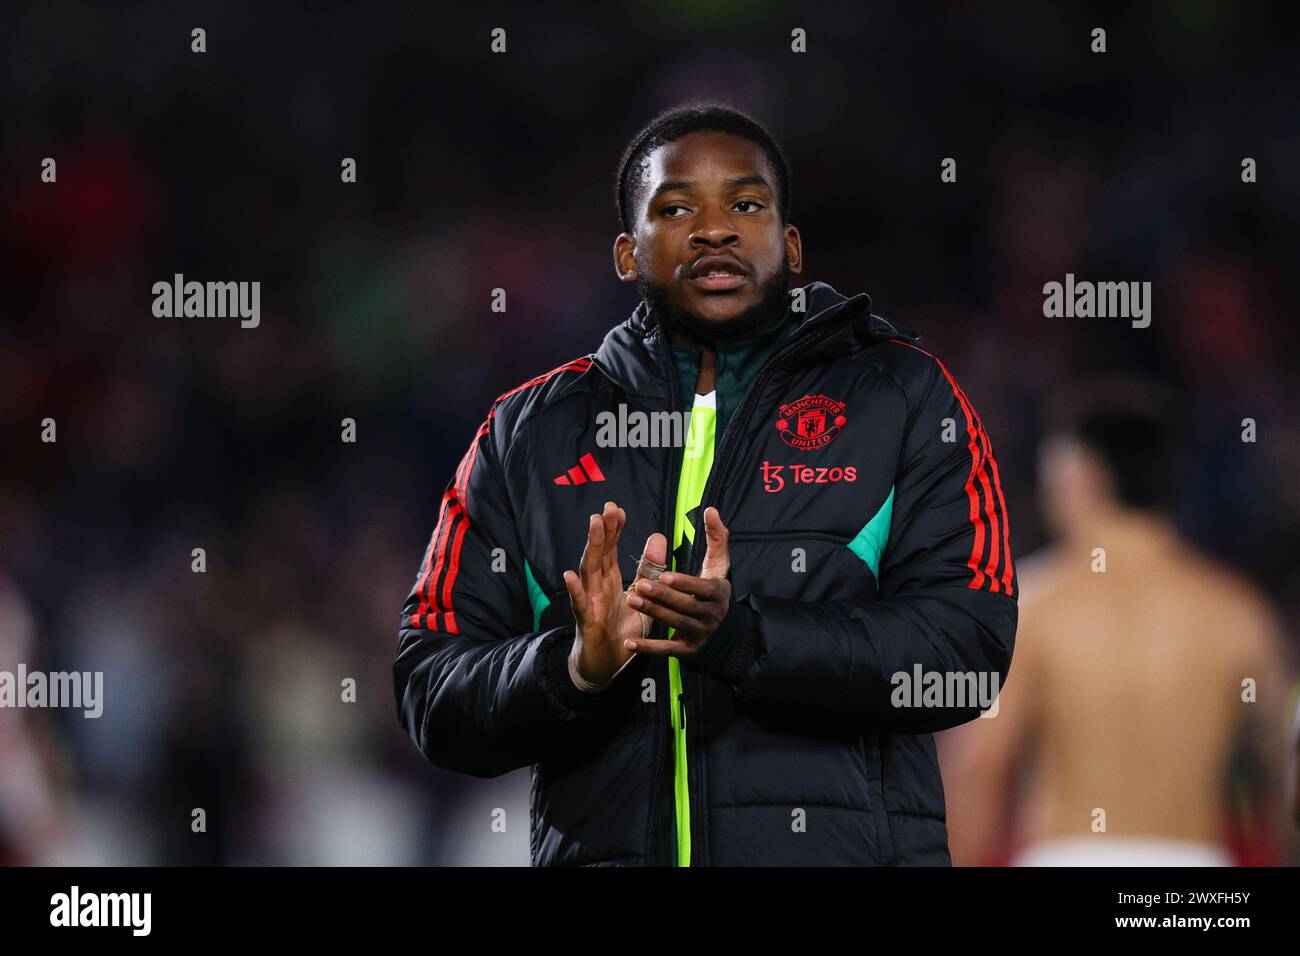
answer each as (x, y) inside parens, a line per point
(774, 476)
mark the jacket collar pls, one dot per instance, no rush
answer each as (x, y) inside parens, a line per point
(634, 354)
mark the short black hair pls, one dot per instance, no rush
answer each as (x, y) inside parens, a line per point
(692, 117)
(1131, 425)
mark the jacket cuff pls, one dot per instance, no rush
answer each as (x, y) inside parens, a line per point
(728, 653)
(555, 653)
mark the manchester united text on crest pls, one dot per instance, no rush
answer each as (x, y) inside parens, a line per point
(811, 422)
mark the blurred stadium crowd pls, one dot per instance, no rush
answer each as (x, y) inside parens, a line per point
(475, 172)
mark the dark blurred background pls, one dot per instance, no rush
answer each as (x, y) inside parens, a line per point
(478, 171)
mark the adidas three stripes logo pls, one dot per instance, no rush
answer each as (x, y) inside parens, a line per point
(586, 470)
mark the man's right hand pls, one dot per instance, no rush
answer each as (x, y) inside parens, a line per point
(603, 619)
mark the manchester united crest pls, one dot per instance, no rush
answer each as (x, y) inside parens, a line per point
(811, 422)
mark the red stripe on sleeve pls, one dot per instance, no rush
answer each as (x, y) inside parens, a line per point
(978, 468)
(455, 514)
(446, 518)
(1007, 568)
(995, 552)
(461, 507)
(981, 461)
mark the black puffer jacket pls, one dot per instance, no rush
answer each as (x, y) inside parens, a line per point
(868, 539)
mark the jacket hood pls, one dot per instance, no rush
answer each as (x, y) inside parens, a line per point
(633, 353)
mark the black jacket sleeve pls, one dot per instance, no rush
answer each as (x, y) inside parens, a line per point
(479, 690)
(946, 598)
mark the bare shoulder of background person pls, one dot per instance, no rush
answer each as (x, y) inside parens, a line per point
(1260, 662)
(1249, 619)
(1041, 572)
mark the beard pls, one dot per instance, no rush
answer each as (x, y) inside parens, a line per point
(766, 311)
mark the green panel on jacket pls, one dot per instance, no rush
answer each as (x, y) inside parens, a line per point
(536, 597)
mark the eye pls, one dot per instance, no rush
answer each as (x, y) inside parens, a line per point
(673, 206)
(749, 202)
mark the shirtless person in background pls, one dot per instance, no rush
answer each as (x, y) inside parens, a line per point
(1124, 705)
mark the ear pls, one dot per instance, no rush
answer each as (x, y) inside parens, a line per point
(625, 257)
(794, 249)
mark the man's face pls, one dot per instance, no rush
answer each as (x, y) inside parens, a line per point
(708, 205)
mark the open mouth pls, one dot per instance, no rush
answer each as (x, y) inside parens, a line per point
(717, 274)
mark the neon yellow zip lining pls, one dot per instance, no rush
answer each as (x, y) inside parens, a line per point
(697, 462)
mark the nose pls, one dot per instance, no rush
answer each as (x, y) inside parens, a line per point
(714, 228)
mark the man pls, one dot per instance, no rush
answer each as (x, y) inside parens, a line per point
(1142, 666)
(836, 519)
